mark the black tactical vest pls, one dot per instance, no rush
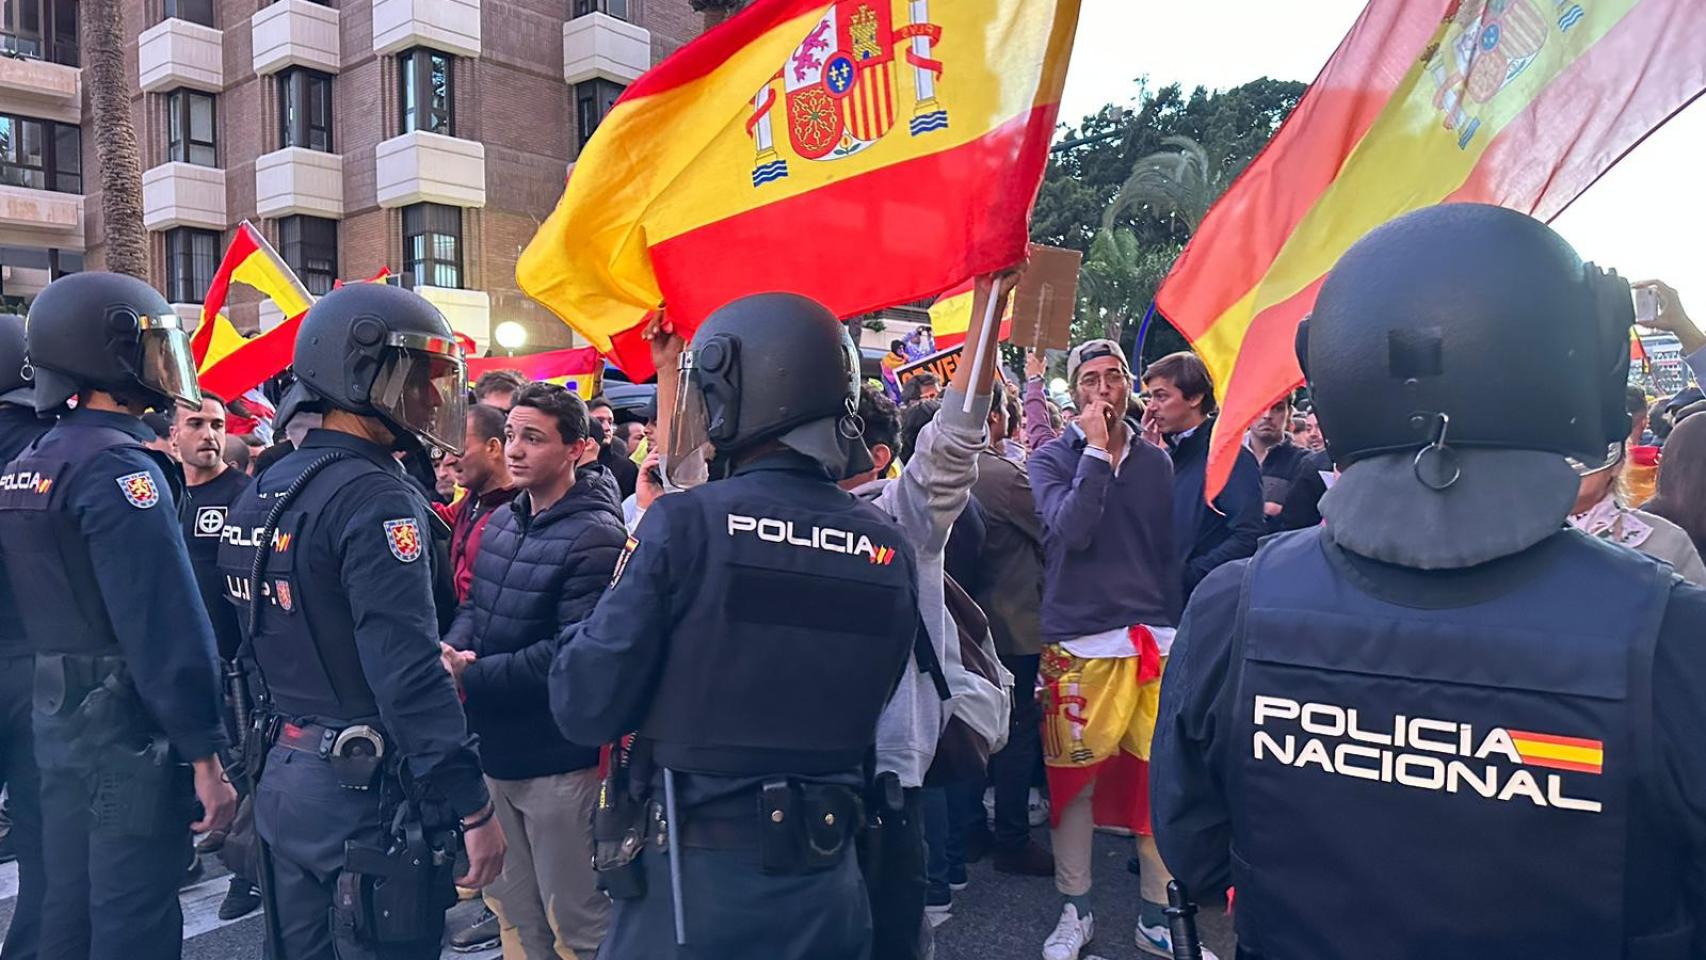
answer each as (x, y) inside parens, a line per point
(802, 617)
(47, 556)
(1415, 782)
(305, 641)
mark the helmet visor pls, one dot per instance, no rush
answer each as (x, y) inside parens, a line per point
(423, 388)
(685, 459)
(168, 366)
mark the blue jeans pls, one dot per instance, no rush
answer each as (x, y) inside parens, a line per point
(948, 812)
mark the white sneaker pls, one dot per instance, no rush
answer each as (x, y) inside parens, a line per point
(1159, 941)
(1070, 935)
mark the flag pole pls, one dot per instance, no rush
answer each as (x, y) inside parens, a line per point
(985, 337)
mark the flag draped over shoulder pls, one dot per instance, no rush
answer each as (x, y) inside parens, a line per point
(861, 152)
(1522, 103)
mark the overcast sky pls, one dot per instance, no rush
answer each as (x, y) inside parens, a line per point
(1647, 217)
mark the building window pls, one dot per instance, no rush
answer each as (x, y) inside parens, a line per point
(310, 246)
(615, 8)
(593, 100)
(40, 30)
(191, 258)
(189, 127)
(427, 84)
(41, 154)
(195, 11)
(432, 245)
(305, 109)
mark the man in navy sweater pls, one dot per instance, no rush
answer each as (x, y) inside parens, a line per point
(1181, 407)
(1111, 599)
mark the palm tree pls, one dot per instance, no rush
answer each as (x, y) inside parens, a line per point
(1179, 183)
(115, 138)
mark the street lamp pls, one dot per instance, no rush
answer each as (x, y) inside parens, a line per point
(510, 335)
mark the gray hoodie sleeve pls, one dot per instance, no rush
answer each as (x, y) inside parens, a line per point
(936, 482)
(931, 492)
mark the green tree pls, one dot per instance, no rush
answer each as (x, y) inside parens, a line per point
(1101, 194)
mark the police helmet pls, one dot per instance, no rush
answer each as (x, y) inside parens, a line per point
(1461, 359)
(15, 387)
(111, 332)
(772, 366)
(385, 352)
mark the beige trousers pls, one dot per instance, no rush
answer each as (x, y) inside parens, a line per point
(547, 903)
(1073, 855)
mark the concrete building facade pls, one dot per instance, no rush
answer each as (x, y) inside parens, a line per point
(427, 136)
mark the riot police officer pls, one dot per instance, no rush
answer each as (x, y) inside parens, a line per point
(127, 694)
(370, 770)
(755, 626)
(19, 427)
(1444, 723)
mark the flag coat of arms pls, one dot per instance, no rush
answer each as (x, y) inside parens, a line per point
(1520, 103)
(860, 152)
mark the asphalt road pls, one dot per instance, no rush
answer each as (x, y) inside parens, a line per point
(996, 918)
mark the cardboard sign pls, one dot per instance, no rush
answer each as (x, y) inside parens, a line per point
(1047, 299)
(942, 363)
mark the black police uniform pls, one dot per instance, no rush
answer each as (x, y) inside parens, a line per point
(1496, 761)
(19, 427)
(753, 632)
(347, 637)
(126, 684)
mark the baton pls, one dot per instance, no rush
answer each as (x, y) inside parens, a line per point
(1182, 923)
(673, 833)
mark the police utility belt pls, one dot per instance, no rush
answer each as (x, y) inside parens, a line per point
(796, 827)
(356, 754)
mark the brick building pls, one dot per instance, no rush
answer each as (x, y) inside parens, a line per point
(427, 136)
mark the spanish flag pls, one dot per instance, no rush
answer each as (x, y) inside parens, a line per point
(861, 152)
(950, 316)
(228, 364)
(578, 368)
(1522, 103)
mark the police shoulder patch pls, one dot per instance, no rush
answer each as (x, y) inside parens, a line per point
(139, 489)
(404, 538)
(622, 561)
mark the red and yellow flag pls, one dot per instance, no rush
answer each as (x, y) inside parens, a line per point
(1522, 103)
(252, 261)
(950, 316)
(226, 363)
(861, 152)
(578, 368)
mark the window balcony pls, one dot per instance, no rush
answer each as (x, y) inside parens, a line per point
(183, 195)
(297, 180)
(177, 53)
(42, 89)
(452, 26)
(295, 33)
(599, 45)
(469, 311)
(42, 217)
(421, 167)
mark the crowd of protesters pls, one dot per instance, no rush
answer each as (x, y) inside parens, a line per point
(1062, 535)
